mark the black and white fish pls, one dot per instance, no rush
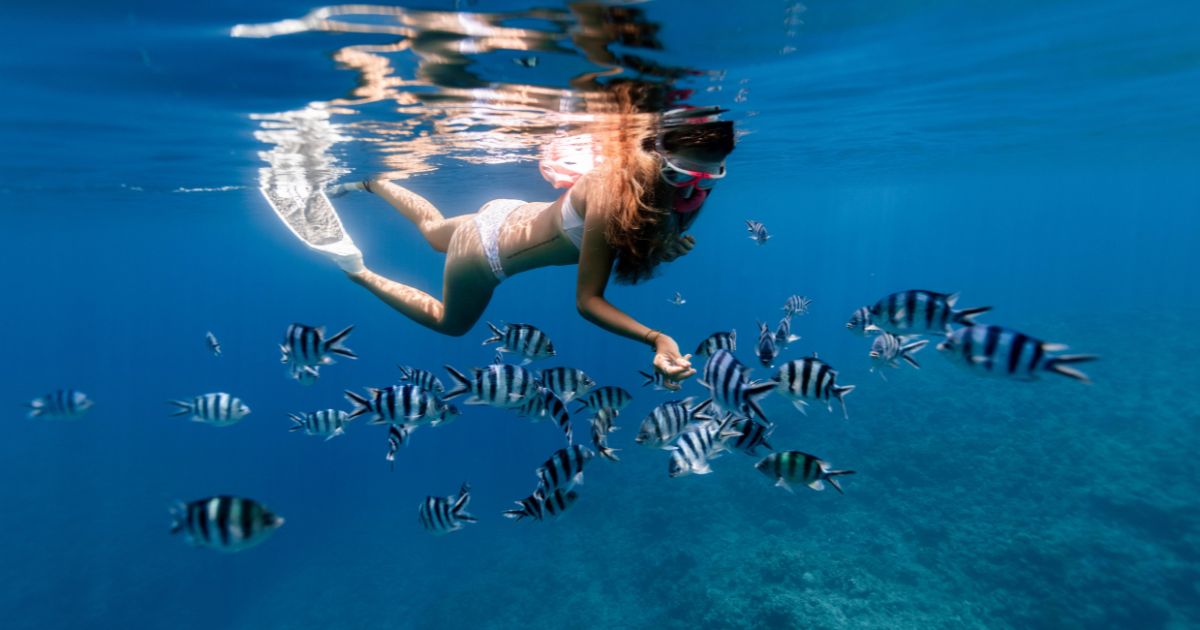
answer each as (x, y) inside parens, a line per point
(655, 379)
(398, 435)
(698, 444)
(730, 388)
(505, 386)
(750, 436)
(60, 404)
(602, 425)
(306, 345)
(422, 378)
(566, 382)
(524, 340)
(788, 467)
(304, 374)
(920, 312)
(765, 349)
(402, 404)
(442, 515)
(887, 350)
(796, 305)
(224, 523)
(546, 403)
(760, 235)
(783, 333)
(753, 226)
(808, 379)
(717, 341)
(218, 409)
(539, 505)
(678, 299)
(564, 469)
(860, 322)
(1004, 352)
(214, 346)
(327, 422)
(528, 61)
(665, 422)
(607, 397)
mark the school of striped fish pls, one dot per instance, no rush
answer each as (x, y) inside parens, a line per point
(692, 432)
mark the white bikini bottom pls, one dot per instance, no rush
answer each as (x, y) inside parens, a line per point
(489, 220)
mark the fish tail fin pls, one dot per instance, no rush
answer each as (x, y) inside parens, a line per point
(178, 513)
(299, 422)
(840, 392)
(462, 384)
(649, 378)
(184, 408)
(334, 344)
(832, 475)
(756, 391)
(497, 334)
(910, 349)
(966, 317)
(361, 405)
(464, 497)
(608, 453)
(1060, 365)
(36, 408)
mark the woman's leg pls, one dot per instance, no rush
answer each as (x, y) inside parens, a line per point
(436, 229)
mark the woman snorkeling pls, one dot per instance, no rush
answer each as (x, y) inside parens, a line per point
(623, 218)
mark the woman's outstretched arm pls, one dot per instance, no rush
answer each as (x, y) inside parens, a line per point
(595, 265)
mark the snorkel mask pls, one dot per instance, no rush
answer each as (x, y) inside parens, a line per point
(693, 179)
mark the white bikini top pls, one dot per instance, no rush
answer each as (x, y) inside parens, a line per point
(572, 223)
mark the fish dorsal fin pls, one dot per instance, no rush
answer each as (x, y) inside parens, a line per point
(952, 299)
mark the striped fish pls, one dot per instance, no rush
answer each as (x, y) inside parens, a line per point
(602, 425)
(766, 350)
(401, 404)
(546, 403)
(677, 300)
(753, 226)
(1004, 352)
(919, 311)
(442, 515)
(665, 422)
(717, 341)
(796, 305)
(860, 322)
(214, 346)
(305, 345)
(730, 388)
(887, 350)
(750, 436)
(811, 379)
(795, 466)
(607, 397)
(398, 435)
(422, 378)
(218, 409)
(783, 333)
(523, 339)
(62, 403)
(224, 523)
(564, 469)
(304, 374)
(760, 235)
(538, 505)
(566, 382)
(697, 445)
(506, 386)
(655, 380)
(327, 422)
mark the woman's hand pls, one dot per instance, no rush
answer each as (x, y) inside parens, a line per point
(678, 247)
(669, 363)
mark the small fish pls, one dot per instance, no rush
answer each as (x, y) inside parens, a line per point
(760, 235)
(60, 404)
(526, 62)
(214, 346)
(442, 515)
(751, 435)
(304, 374)
(717, 341)
(810, 378)
(793, 466)
(667, 421)
(796, 305)
(498, 358)
(224, 523)
(860, 322)
(523, 339)
(308, 346)
(422, 378)
(398, 435)
(753, 226)
(677, 300)
(766, 350)
(564, 469)
(656, 380)
(607, 397)
(327, 422)
(218, 409)
(697, 445)
(887, 350)
(537, 506)
(401, 404)
(730, 388)
(505, 386)
(1005, 352)
(783, 333)
(566, 382)
(921, 312)
(602, 425)
(547, 403)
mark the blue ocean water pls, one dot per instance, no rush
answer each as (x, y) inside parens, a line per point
(1039, 157)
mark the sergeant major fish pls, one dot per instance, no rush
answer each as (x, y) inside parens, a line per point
(921, 312)
(783, 333)
(602, 424)
(887, 350)
(730, 388)
(655, 380)
(860, 322)
(750, 436)
(796, 305)
(795, 466)
(63, 403)
(401, 404)
(308, 346)
(564, 469)
(810, 378)
(665, 422)
(505, 386)
(327, 422)
(218, 409)
(539, 505)
(766, 350)
(214, 346)
(677, 300)
(442, 515)
(717, 341)
(566, 382)
(224, 523)
(607, 397)
(698, 444)
(422, 378)
(523, 339)
(1004, 352)
(547, 403)
(398, 435)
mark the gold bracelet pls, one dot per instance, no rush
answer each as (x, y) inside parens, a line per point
(656, 333)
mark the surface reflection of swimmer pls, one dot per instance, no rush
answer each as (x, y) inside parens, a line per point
(623, 218)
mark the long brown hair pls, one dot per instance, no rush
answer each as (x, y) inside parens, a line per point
(628, 185)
